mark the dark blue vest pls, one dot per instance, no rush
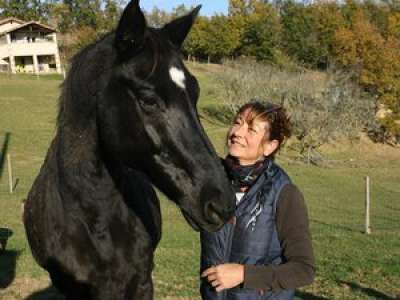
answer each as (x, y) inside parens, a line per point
(252, 240)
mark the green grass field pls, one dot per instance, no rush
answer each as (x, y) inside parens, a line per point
(351, 265)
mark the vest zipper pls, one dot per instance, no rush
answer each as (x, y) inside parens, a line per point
(228, 253)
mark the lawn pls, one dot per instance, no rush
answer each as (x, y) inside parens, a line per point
(351, 265)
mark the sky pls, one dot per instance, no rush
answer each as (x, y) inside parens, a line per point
(209, 7)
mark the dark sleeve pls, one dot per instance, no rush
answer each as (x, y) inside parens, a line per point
(298, 268)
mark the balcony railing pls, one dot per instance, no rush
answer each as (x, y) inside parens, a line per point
(26, 41)
(29, 49)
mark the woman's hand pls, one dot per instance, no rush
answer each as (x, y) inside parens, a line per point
(224, 276)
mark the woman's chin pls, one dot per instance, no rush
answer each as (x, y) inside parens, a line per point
(234, 155)
(235, 152)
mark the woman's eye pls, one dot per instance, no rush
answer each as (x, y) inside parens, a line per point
(252, 130)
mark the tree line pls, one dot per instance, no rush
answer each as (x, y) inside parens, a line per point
(359, 37)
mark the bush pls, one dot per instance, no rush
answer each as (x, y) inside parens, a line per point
(245, 79)
(385, 131)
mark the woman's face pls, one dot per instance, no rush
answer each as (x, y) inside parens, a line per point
(247, 142)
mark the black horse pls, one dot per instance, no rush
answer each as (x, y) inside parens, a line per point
(127, 120)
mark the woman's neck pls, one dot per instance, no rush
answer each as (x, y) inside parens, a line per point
(245, 163)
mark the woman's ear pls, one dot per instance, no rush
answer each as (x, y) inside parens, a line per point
(270, 147)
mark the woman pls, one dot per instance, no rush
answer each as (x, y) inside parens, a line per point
(265, 252)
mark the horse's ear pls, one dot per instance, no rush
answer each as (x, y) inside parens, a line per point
(178, 29)
(129, 35)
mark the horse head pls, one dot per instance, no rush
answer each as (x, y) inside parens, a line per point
(148, 120)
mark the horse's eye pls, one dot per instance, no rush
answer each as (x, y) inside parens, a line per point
(150, 104)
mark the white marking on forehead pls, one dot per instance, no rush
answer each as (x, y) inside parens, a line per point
(177, 76)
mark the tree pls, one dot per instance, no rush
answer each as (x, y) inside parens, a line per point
(85, 12)
(25, 9)
(196, 44)
(262, 31)
(394, 24)
(377, 13)
(180, 10)
(237, 7)
(61, 17)
(222, 38)
(157, 17)
(111, 13)
(359, 48)
(328, 19)
(213, 38)
(301, 37)
(375, 60)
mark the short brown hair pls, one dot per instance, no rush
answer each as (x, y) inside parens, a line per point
(280, 127)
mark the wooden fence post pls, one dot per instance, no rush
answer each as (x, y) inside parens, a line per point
(367, 205)
(10, 175)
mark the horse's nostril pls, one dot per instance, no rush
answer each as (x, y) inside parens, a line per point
(217, 207)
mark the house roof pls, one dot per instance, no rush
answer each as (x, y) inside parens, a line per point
(11, 19)
(25, 24)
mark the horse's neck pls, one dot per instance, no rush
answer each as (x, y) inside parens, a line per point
(87, 180)
(80, 166)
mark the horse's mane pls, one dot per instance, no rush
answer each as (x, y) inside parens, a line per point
(78, 91)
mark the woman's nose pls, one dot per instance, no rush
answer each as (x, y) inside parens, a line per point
(240, 131)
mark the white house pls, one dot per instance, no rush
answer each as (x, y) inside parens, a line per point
(28, 47)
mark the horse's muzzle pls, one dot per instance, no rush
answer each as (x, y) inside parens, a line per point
(215, 217)
(218, 206)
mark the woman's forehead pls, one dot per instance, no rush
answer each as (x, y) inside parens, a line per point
(250, 116)
(255, 123)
